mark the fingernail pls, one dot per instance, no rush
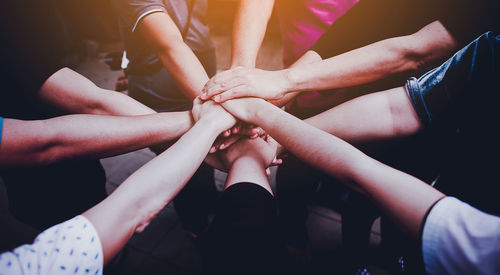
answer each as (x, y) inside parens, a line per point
(221, 147)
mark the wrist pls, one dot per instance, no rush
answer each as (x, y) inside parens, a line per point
(242, 63)
(288, 80)
(258, 116)
(249, 159)
(215, 124)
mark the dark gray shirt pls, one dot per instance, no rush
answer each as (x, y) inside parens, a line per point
(131, 12)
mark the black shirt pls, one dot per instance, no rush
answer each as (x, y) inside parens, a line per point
(31, 50)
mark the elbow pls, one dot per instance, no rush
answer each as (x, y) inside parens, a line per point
(52, 150)
(414, 55)
(171, 44)
(95, 101)
(423, 50)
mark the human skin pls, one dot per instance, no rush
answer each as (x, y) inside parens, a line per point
(402, 197)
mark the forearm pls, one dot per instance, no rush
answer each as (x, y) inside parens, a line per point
(378, 116)
(403, 197)
(72, 93)
(249, 30)
(248, 169)
(164, 37)
(376, 61)
(355, 67)
(185, 68)
(138, 200)
(308, 58)
(89, 136)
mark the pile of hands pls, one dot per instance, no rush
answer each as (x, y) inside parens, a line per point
(239, 137)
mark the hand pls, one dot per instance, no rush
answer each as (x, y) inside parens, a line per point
(245, 109)
(241, 130)
(264, 150)
(212, 112)
(246, 82)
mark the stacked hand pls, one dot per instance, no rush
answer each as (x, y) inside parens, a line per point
(213, 113)
(246, 82)
(244, 141)
(263, 150)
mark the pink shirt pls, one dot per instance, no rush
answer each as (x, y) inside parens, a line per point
(302, 22)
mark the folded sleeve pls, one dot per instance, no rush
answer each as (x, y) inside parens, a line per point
(131, 12)
(72, 247)
(461, 88)
(459, 239)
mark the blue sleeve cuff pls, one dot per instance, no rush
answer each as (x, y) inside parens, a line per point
(1, 129)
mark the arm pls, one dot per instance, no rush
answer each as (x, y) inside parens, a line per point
(373, 117)
(92, 136)
(248, 160)
(378, 116)
(376, 61)
(162, 34)
(403, 197)
(248, 32)
(359, 66)
(239, 82)
(139, 199)
(71, 92)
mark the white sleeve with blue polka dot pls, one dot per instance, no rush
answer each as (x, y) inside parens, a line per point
(71, 247)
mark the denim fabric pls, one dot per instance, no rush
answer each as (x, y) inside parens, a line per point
(466, 82)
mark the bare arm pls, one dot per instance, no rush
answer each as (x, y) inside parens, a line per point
(162, 34)
(376, 60)
(248, 160)
(248, 32)
(403, 197)
(373, 117)
(363, 65)
(71, 92)
(237, 82)
(90, 136)
(139, 199)
(378, 116)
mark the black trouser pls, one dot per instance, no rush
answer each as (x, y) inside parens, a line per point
(300, 184)
(243, 238)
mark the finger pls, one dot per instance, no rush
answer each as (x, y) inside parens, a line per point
(226, 133)
(218, 142)
(262, 133)
(197, 100)
(236, 92)
(247, 130)
(257, 132)
(237, 128)
(217, 82)
(224, 85)
(276, 161)
(226, 143)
